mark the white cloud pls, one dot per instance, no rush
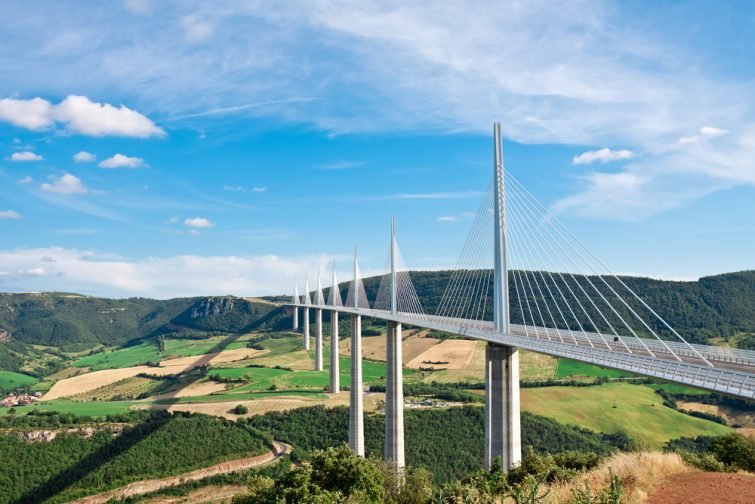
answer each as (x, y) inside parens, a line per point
(259, 189)
(705, 132)
(171, 220)
(711, 131)
(93, 273)
(233, 188)
(198, 223)
(121, 161)
(9, 214)
(25, 180)
(66, 184)
(34, 114)
(448, 218)
(79, 114)
(604, 155)
(195, 28)
(24, 156)
(84, 157)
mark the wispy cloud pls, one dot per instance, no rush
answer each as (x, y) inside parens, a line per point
(25, 180)
(341, 165)
(9, 214)
(105, 274)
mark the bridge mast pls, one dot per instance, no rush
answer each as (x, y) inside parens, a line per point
(356, 400)
(502, 416)
(394, 388)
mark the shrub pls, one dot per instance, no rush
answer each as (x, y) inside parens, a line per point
(241, 410)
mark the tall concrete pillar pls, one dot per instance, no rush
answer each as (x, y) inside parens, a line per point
(318, 339)
(502, 430)
(394, 398)
(502, 416)
(335, 384)
(306, 328)
(296, 318)
(356, 399)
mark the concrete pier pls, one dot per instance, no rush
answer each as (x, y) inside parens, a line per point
(502, 421)
(335, 385)
(356, 398)
(318, 339)
(306, 328)
(296, 318)
(394, 398)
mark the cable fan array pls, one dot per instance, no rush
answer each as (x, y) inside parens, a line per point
(558, 289)
(407, 300)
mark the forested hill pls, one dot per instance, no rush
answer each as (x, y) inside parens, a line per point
(58, 319)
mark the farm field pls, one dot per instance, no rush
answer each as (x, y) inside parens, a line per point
(139, 354)
(88, 408)
(569, 368)
(612, 407)
(10, 380)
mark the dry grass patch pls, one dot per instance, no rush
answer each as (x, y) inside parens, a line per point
(639, 473)
(97, 379)
(299, 360)
(731, 415)
(129, 388)
(448, 354)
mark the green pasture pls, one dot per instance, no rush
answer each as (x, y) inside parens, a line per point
(634, 409)
(572, 369)
(143, 352)
(243, 396)
(91, 408)
(10, 380)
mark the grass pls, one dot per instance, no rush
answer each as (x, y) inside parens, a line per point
(677, 388)
(568, 368)
(264, 378)
(143, 352)
(612, 407)
(10, 380)
(244, 396)
(92, 408)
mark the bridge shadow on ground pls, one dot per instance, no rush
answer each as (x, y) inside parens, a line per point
(120, 444)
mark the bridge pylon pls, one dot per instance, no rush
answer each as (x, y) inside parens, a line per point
(356, 397)
(502, 405)
(394, 389)
(307, 302)
(335, 374)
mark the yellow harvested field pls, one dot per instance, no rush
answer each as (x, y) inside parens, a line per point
(373, 347)
(299, 360)
(732, 416)
(453, 354)
(282, 403)
(197, 389)
(90, 381)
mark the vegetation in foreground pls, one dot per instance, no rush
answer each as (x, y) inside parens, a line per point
(73, 465)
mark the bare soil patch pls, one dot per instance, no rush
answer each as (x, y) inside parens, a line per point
(147, 486)
(212, 493)
(448, 354)
(90, 381)
(722, 488)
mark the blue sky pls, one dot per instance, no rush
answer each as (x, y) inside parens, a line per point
(184, 148)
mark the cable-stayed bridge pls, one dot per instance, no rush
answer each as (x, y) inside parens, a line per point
(523, 280)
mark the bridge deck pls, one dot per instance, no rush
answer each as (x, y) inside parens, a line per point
(732, 371)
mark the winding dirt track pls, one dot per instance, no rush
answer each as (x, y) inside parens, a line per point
(147, 486)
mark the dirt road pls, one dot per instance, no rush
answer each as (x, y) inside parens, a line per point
(147, 486)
